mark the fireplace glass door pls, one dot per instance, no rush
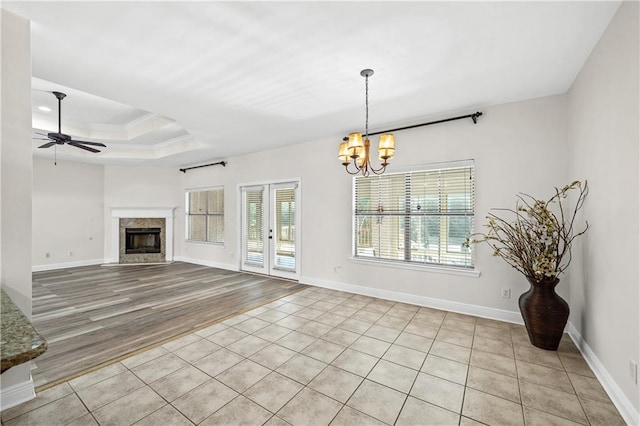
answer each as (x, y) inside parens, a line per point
(142, 240)
(269, 232)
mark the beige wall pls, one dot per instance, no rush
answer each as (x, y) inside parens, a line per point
(511, 146)
(68, 213)
(72, 204)
(15, 185)
(529, 146)
(130, 186)
(604, 144)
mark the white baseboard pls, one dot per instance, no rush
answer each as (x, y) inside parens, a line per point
(53, 266)
(447, 305)
(17, 394)
(227, 266)
(619, 399)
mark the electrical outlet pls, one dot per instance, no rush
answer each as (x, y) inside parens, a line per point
(47, 255)
(70, 253)
(633, 372)
(506, 293)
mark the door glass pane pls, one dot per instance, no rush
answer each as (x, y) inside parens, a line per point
(285, 228)
(253, 232)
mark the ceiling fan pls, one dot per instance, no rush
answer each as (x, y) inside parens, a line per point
(60, 138)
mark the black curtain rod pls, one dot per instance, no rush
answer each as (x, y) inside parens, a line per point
(473, 116)
(221, 163)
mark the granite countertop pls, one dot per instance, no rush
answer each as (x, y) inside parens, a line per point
(19, 341)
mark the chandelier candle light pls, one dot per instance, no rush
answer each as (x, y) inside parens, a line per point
(357, 151)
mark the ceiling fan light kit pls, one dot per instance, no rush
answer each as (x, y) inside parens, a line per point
(59, 138)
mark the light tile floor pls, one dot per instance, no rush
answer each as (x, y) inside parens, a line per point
(323, 357)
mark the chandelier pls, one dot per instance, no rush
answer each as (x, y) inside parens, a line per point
(356, 151)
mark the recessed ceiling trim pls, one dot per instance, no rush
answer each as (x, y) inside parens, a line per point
(299, 85)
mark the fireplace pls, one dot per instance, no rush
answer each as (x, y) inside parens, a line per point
(142, 240)
(142, 235)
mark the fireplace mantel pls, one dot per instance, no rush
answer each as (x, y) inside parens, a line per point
(141, 213)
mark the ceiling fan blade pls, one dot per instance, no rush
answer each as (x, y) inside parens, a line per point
(47, 145)
(41, 139)
(77, 145)
(89, 143)
(42, 134)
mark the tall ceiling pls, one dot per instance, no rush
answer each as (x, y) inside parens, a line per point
(180, 83)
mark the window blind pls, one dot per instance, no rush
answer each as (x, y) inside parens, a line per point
(215, 215)
(254, 232)
(285, 215)
(205, 215)
(421, 217)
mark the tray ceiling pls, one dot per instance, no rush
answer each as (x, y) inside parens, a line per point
(179, 83)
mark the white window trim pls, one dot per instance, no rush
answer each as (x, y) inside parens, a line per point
(205, 243)
(440, 269)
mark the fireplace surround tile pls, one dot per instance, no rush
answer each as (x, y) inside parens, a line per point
(157, 222)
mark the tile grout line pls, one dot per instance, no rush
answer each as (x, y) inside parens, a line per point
(466, 380)
(417, 375)
(360, 334)
(524, 420)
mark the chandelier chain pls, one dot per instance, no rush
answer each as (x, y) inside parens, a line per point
(366, 103)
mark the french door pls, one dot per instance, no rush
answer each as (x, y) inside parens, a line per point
(269, 236)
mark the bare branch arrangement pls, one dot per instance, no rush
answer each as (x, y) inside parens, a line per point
(538, 241)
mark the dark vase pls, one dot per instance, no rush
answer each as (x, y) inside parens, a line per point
(545, 313)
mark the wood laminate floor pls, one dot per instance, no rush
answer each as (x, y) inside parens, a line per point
(95, 314)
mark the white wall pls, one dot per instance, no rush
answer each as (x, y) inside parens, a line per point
(130, 186)
(68, 213)
(15, 186)
(72, 207)
(517, 147)
(604, 148)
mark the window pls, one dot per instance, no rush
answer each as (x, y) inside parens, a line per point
(419, 217)
(205, 215)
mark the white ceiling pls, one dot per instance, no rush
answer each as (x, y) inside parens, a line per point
(180, 83)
